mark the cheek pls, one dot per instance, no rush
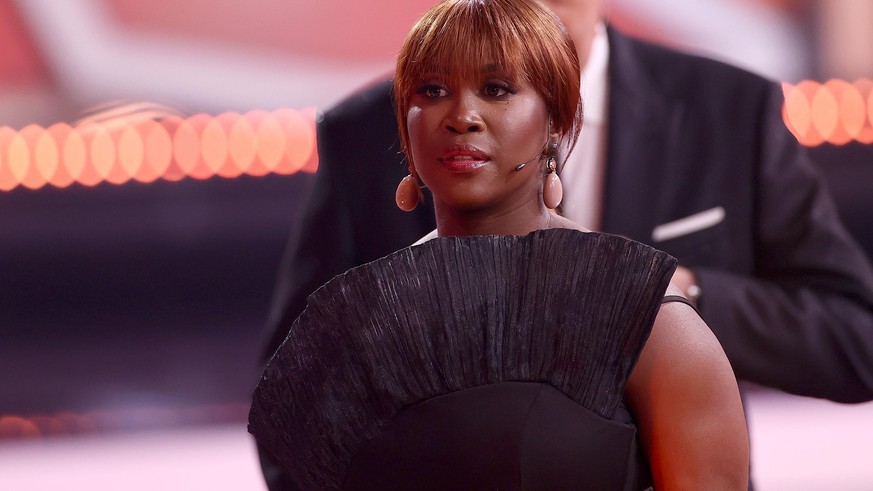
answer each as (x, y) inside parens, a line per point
(422, 125)
(416, 127)
(524, 123)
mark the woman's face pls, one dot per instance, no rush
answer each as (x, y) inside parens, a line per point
(467, 137)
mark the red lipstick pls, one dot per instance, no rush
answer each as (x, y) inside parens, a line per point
(463, 158)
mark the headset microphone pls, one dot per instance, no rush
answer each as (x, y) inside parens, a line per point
(521, 166)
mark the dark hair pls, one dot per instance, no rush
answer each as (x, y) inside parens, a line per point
(458, 37)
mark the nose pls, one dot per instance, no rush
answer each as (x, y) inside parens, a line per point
(464, 116)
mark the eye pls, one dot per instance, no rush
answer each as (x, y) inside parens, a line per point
(498, 89)
(431, 91)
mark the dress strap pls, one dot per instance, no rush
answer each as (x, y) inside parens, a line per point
(680, 299)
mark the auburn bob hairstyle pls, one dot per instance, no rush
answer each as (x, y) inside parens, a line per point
(457, 39)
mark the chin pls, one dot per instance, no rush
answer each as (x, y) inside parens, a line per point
(467, 202)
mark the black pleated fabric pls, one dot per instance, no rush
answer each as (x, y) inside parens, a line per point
(567, 309)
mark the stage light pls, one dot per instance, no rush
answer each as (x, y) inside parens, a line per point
(825, 113)
(228, 168)
(158, 150)
(186, 148)
(271, 142)
(130, 152)
(46, 156)
(213, 147)
(61, 134)
(833, 112)
(117, 145)
(241, 143)
(300, 140)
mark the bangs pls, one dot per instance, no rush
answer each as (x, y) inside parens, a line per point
(445, 45)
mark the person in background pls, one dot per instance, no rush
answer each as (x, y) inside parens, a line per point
(515, 349)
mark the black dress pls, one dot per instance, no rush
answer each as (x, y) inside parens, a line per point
(492, 362)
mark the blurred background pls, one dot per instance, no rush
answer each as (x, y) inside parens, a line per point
(153, 157)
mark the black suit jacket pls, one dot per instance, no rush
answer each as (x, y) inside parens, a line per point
(786, 290)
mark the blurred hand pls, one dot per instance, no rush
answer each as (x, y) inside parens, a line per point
(684, 278)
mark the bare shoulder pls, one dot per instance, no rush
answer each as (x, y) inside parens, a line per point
(679, 330)
(685, 397)
(682, 348)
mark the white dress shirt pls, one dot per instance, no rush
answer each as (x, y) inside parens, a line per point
(582, 173)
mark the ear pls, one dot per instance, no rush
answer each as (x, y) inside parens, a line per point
(554, 143)
(553, 132)
(554, 136)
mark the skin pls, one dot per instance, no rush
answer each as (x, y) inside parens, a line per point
(466, 138)
(685, 398)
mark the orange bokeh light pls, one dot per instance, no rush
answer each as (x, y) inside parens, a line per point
(186, 147)
(851, 109)
(228, 168)
(833, 112)
(158, 148)
(103, 155)
(796, 111)
(59, 132)
(130, 152)
(199, 169)
(7, 179)
(213, 146)
(299, 143)
(18, 157)
(271, 142)
(99, 155)
(32, 177)
(847, 120)
(866, 135)
(311, 115)
(255, 119)
(75, 154)
(241, 144)
(46, 156)
(825, 112)
(811, 136)
(173, 171)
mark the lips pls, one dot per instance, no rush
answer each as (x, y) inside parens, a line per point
(463, 158)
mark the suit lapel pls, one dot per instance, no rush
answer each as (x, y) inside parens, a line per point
(637, 145)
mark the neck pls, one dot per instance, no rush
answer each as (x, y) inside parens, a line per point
(520, 222)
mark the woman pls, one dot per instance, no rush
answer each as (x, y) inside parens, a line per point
(515, 350)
